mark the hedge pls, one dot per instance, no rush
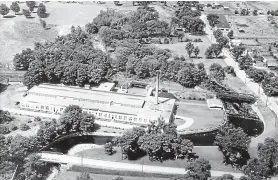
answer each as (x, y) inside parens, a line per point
(117, 172)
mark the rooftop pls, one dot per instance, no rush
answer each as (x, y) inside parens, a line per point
(142, 106)
(223, 23)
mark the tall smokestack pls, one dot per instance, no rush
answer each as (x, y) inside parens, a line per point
(157, 88)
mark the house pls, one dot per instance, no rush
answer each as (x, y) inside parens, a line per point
(226, 8)
(235, 42)
(270, 62)
(223, 24)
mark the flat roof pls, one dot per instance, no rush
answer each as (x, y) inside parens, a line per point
(64, 96)
(223, 23)
(106, 86)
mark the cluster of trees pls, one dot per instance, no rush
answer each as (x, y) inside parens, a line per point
(142, 23)
(233, 142)
(273, 13)
(41, 10)
(191, 49)
(160, 142)
(189, 20)
(215, 49)
(244, 12)
(213, 19)
(269, 81)
(19, 150)
(5, 117)
(70, 59)
(265, 165)
(217, 71)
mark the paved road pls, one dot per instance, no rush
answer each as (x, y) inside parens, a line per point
(86, 162)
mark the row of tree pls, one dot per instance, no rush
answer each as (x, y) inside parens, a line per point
(41, 10)
(269, 81)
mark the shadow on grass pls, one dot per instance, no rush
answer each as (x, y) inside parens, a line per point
(30, 17)
(9, 16)
(47, 28)
(46, 15)
(96, 127)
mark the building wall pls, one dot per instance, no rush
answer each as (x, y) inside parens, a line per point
(96, 113)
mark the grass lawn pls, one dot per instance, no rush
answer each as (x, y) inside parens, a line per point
(203, 116)
(70, 175)
(209, 152)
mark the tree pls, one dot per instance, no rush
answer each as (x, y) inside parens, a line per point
(41, 11)
(129, 142)
(268, 153)
(43, 23)
(196, 51)
(234, 143)
(116, 3)
(213, 19)
(4, 10)
(15, 7)
(217, 34)
(268, 12)
(236, 11)
(256, 170)
(108, 148)
(209, 53)
(245, 63)
(243, 12)
(26, 13)
(180, 36)
(237, 51)
(189, 77)
(162, 142)
(91, 28)
(84, 176)
(199, 169)
(189, 48)
(230, 34)
(31, 5)
(255, 12)
(225, 177)
(217, 71)
(22, 61)
(223, 41)
(34, 169)
(5, 117)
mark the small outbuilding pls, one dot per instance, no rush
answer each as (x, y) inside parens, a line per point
(215, 103)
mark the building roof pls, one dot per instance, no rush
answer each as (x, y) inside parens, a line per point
(223, 23)
(250, 42)
(107, 101)
(106, 86)
(214, 103)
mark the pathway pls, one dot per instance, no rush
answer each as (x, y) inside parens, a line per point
(86, 162)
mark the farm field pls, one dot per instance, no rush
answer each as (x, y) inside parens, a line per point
(209, 152)
(256, 26)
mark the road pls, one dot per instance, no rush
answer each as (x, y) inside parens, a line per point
(86, 162)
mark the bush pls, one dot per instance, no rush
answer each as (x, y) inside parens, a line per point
(4, 129)
(24, 127)
(187, 40)
(37, 119)
(166, 41)
(13, 127)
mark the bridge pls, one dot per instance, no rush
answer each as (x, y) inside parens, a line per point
(103, 164)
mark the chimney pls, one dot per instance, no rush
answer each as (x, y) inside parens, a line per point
(157, 88)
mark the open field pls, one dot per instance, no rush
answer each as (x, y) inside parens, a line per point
(196, 111)
(19, 33)
(70, 175)
(256, 26)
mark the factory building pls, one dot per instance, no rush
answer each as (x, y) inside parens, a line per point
(101, 102)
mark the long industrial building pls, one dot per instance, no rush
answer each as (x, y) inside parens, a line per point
(104, 104)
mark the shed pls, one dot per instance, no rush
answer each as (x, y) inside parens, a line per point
(215, 103)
